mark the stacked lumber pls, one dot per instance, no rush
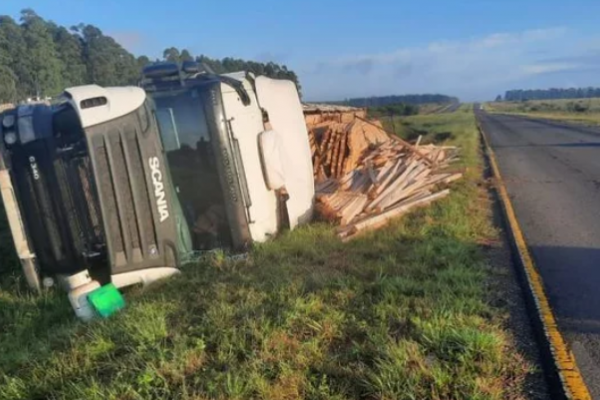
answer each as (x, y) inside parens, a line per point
(338, 140)
(388, 180)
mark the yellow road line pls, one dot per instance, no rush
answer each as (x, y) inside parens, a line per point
(571, 379)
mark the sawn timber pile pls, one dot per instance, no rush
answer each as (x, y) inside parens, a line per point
(339, 138)
(388, 179)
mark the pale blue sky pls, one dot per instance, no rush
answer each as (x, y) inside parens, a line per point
(471, 49)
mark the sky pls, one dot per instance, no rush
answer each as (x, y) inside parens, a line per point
(341, 49)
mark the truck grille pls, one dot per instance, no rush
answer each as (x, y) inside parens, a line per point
(121, 180)
(135, 236)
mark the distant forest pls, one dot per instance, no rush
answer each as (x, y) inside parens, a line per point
(401, 109)
(41, 58)
(550, 94)
(414, 99)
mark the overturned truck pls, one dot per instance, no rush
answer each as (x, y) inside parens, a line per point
(130, 183)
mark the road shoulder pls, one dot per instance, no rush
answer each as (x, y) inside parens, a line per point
(559, 363)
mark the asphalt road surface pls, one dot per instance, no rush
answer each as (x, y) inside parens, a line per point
(552, 173)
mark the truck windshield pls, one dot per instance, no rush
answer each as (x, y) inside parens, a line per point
(190, 154)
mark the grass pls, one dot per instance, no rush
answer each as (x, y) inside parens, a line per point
(403, 313)
(434, 128)
(581, 111)
(432, 108)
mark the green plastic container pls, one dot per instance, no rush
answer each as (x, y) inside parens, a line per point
(106, 300)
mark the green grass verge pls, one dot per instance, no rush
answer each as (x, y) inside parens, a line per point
(579, 111)
(403, 313)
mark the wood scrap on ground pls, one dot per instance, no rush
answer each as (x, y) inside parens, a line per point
(365, 177)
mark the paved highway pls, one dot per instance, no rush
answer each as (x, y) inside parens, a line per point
(552, 173)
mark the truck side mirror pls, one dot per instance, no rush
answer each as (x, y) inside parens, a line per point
(270, 146)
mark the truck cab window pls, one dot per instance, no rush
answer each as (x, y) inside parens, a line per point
(187, 142)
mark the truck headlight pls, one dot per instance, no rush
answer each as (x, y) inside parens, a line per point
(8, 121)
(10, 138)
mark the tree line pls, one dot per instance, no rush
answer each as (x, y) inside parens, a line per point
(229, 64)
(401, 109)
(41, 58)
(550, 94)
(414, 99)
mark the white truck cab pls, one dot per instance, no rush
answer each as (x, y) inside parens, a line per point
(222, 135)
(127, 183)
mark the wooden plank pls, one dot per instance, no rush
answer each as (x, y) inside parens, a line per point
(418, 141)
(423, 185)
(368, 189)
(343, 151)
(398, 169)
(348, 176)
(333, 156)
(380, 162)
(340, 155)
(343, 203)
(340, 158)
(396, 187)
(317, 165)
(384, 171)
(332, 199)
(369, 157)
(364, 185)
(387, 145)
(445, 180)
(351, 212)
(317, 152)
(404, 191)
(415, 196)
(381, 219)
(371, 173)
(344, 211)
(398, 179)
(325, 185)
(329, 152)
(347, 180)
(398, 184)
(441, 156)
(404, 142)
(359, 181)
(339, 200)
(335, 143)
(325, 139)
(321, 173)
